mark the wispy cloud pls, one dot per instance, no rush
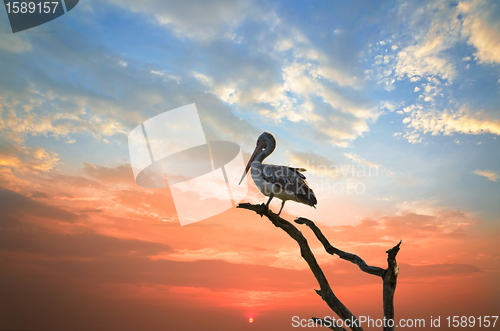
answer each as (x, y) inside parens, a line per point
(358, 159)
(197, 20)
(428, 56)
(449, 122)
(366, 163)
(15, 43)
(18, 157)
(491, 175)
(434, 29)
(481, 26)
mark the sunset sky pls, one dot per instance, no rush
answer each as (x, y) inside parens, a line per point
(392, 106)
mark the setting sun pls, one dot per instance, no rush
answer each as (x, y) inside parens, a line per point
(250, 320)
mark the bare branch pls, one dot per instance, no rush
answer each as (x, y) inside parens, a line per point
(325, 292)
(390, 280)
(388, 275)
(343, 255)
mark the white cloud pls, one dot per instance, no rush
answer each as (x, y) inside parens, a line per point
(368, 164)
(306, 81)
(204, 79)
(421, 207)
(198, 19)
(358, 159)
(314, 164)
(413, 137)
(491, 175)
(390, 106)
(482, 28)
(436, 27)
(57, 124)
(297, 80)
(18, 157)
(284, 44)
(14, 43)
(448, 123)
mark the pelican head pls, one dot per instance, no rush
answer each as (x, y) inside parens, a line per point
(265, 146)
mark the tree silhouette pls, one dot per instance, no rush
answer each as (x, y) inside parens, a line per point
(388, 275)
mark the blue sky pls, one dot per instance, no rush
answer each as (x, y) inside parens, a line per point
(411, 88)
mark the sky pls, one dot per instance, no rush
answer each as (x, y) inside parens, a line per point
(391, 106)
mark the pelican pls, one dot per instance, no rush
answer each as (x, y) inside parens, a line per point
(283, 182)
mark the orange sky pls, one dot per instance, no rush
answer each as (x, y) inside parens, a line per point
(92, 249)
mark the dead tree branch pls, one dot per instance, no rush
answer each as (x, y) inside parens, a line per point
(325, 291)
(343, 255)
(388, 275)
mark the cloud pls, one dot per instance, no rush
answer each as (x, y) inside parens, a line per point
(121, 173)
(314, 164)
(334, 116)
(390, 106)
(17, 205)
(436, 28)
(100, 259)
(285, 76)
(433, 29)
(76, 245)
(21, 158)
(491, 175)
(105, 101)
(62, 124)
(449, 122)
(411, 64)
(368, 164)
(323, 167)
(14, 43)
(482, 28)
(439, 270)
(439, 223)
(197, 19)
(358, 159)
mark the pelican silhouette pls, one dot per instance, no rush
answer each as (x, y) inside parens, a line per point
(278, 181)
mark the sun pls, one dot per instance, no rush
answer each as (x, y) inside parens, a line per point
(250, 320)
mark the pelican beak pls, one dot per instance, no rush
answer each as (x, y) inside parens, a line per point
(258, 148)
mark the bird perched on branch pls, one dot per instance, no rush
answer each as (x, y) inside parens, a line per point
(283, 182)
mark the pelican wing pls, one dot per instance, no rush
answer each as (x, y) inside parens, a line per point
(291, 180)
